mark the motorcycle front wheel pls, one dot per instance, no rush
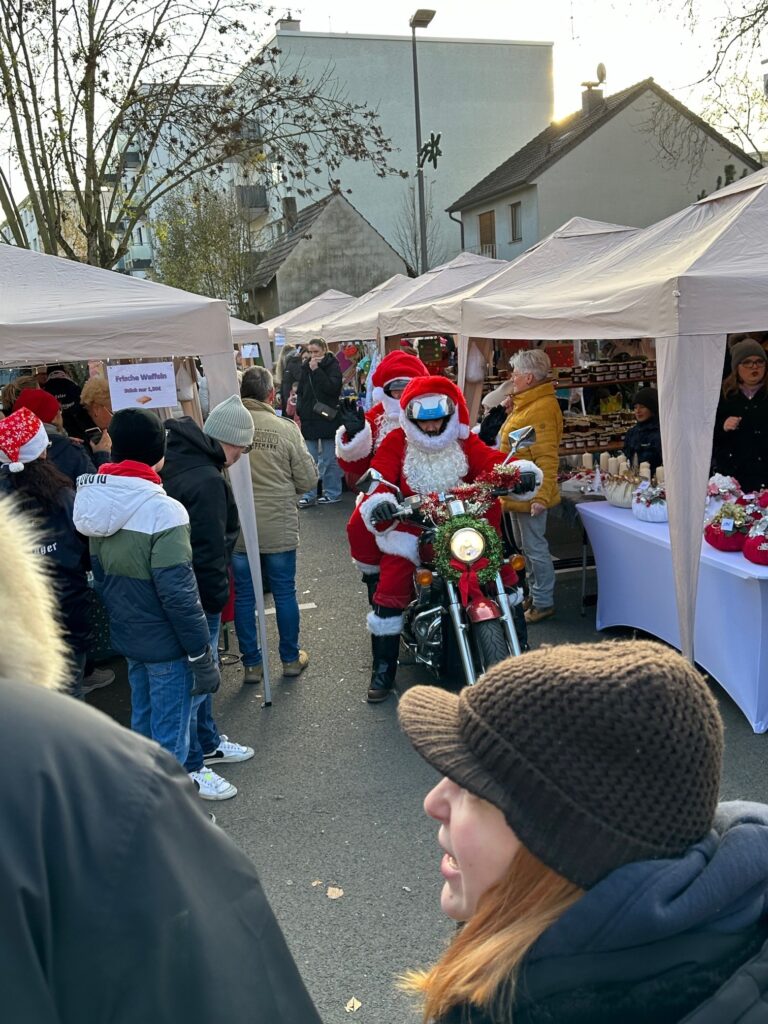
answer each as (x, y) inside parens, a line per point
(491, 643)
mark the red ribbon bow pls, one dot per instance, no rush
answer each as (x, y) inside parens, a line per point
(469, 584)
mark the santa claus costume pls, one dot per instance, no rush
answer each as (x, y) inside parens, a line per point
(354, 453)
(418, 463)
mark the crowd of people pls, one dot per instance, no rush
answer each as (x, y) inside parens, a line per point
(593, 874)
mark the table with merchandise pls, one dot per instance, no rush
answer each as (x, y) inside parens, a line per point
(636, 588)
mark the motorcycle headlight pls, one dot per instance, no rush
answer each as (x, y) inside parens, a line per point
(467, 545)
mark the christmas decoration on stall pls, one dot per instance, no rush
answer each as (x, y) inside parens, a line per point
(728, 529)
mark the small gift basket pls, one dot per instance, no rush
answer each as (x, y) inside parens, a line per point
(649, 504)
(720, 489)
(728, 529)
(619, 490)
(756, 543)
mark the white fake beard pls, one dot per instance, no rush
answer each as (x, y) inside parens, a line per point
(391, 407)
(385, 425)
(427, 471)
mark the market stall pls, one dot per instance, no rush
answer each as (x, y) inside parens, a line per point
(313, 312)
(579, 240)
(53, 309)
(687, 282)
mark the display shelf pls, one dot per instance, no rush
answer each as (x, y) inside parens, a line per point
(613, 446)
(603, 383)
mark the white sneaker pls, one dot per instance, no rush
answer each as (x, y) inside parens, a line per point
(211, 786)
(228, 752)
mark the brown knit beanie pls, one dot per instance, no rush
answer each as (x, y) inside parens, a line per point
(597, 754)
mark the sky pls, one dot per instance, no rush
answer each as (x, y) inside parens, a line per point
(635, 40)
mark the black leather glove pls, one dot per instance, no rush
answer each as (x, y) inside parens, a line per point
(352, 417)
(384, 513)
(207, 678)
(525, 484)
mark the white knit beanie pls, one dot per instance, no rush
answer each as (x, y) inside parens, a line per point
(230, 422)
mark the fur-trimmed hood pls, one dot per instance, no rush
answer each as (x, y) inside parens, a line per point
(28, 606)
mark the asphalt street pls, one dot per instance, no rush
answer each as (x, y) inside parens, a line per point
(332, 798)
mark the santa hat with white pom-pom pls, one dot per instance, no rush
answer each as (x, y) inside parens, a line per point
(22, 439)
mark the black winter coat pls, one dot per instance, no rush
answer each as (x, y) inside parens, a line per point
(320, 385)
(72, 457)
(65, 554)
(194, 475)
(644, 441)
(291, 374)
(112, 879)
(743, 452)
(677, 941)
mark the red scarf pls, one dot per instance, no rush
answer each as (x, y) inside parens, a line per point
(130, 468)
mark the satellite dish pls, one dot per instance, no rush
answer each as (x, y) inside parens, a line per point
(600, 73)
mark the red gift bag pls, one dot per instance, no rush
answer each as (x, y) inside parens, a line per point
(723, 541)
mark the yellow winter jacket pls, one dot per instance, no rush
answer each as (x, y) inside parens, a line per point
(537, 407)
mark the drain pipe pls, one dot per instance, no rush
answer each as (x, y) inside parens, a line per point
(461, 227)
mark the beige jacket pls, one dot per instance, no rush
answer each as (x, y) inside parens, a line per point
(281, 469)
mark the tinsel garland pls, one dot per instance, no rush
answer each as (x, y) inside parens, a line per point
(477, 498)
(442, 548)
(501, 476)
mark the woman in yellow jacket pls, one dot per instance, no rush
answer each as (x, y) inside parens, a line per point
(534, 404)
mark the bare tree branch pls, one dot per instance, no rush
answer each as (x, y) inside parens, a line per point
(183, 86)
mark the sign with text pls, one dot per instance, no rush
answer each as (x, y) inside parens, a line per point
(142, 386)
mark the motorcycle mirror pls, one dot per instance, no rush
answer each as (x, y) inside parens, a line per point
(412, 501)
(371, 479)
(524, 437)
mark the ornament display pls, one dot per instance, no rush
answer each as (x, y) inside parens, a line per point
(728, 529)
(649, 504)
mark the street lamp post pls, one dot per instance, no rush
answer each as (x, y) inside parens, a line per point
(421, 19)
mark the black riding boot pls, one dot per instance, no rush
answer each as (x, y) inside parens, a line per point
(371, 581)
(384, 667)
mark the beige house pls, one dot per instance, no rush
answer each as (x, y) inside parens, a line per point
(326, 245)
(632, 158)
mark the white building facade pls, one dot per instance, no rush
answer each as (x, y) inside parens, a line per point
(606, 162)
(484, 97)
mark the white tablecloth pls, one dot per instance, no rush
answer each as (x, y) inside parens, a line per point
(636, 588)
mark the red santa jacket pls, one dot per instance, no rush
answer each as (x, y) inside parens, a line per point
(433, 471)
(354, 455)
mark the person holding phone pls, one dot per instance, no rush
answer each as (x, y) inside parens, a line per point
(317, 405)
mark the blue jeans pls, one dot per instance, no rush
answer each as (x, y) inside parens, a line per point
(530, 536)
(280, 570)
(161, 704)
(203, 735)
(324, 454)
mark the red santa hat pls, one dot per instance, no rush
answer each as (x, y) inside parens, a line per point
(396, 366)
(421, 386)
(22, 439)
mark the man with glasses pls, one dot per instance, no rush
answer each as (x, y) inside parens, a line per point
(194, 474)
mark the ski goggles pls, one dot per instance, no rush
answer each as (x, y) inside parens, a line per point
(430, 407)
(399, 384)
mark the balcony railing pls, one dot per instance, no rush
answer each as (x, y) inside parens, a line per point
(489, 250)
(251, 197)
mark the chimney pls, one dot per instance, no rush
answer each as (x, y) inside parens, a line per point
(591, 99)
(290, 214)
(288, 23)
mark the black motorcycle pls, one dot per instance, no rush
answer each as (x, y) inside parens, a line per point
(461, 621)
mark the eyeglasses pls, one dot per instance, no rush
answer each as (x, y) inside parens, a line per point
(752, 363)
(245, 448)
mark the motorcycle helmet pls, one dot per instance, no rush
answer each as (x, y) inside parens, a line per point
(430, 409)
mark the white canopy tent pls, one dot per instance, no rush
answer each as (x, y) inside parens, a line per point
(359, 320)
(578, 241)
(53, 309)
(688, 281)
(323, 305)
(440, 283)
